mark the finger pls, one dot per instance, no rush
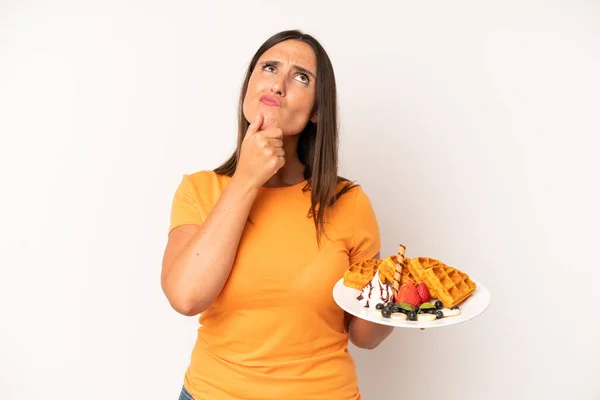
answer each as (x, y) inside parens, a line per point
(280, 162)
(275, 142)
(278, 151)
(261, 141)
(255, 125)
(268, 120)
(272, 133)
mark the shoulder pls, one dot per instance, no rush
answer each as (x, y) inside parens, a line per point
(358, 213)
(203, 186)
(351, 200)
(205, 177)
(204, 182)
(195, 195)
(349, 193)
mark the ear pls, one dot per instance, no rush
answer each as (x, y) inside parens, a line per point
(314, 118)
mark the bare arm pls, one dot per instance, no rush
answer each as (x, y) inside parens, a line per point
(198, 259)
(365, 334)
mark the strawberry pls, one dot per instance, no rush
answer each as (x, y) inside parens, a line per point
(400, 293)
(408, 294)
(423, 292)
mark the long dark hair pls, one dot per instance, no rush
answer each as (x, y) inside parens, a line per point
(318, 142)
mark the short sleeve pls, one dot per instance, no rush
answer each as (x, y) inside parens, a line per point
(185, 208)
(366, 241)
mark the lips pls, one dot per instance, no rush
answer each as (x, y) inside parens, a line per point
(270, 101)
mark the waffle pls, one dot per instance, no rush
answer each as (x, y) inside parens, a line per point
(359, 274)
(445, 283)
(418, 265)
(387, 268)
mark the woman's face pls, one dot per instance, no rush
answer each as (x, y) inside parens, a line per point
(282, 87)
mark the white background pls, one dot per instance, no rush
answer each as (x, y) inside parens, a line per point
(473, 126)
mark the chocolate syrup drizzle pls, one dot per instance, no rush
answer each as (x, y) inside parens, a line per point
(360, 296)
(384, 294)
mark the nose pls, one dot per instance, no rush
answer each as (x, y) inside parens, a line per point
(278, 86)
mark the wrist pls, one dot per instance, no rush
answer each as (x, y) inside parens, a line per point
(242, 186)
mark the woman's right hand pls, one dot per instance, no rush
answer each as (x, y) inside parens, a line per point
(261, 154)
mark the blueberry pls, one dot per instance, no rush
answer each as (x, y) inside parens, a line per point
(412, 316)
(438, 305)
(379, 306)
(439, 314)
(385, 313)
(454, 308)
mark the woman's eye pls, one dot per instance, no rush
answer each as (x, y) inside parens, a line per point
(302, 78)
(269, 68)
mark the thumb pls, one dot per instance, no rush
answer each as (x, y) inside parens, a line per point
(255, 125)
(269, 121)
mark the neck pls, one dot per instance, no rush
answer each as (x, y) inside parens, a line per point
(292, 171)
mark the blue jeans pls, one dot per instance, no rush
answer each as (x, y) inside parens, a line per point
(185, 395)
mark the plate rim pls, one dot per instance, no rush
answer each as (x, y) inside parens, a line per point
(339, 285)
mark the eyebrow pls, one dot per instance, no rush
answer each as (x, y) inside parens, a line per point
(297, 67)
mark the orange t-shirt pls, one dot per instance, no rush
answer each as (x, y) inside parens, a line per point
(275, 332)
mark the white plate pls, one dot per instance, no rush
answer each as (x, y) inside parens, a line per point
(474, 305)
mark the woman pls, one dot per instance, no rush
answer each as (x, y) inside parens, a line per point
(256, 245)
